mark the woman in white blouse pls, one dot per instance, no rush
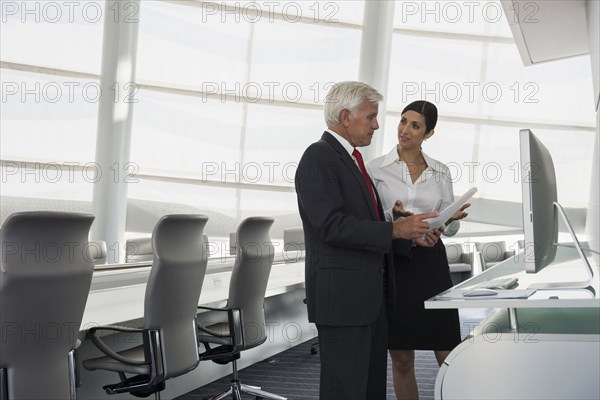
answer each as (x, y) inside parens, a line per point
(409, 181)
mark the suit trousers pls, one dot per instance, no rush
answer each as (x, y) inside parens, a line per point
(354, 360)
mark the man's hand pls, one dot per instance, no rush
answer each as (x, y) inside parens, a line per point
(412, 227)
(398, 210)
(430, 238)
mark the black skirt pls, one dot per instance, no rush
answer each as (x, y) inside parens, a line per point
(418, 278)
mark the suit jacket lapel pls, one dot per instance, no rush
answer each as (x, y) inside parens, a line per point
(351, 165)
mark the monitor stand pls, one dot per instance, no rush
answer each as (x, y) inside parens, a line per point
(569, 285)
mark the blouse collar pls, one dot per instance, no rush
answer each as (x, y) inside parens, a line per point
(393, 157)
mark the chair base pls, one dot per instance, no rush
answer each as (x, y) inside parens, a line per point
(236, 389)
(137, 386)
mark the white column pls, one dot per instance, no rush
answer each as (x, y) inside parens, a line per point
(113, 137)
(592, 228)
(592, 220)
(378, 27)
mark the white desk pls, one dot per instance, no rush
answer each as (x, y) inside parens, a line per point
(124, 304)
(554, 353)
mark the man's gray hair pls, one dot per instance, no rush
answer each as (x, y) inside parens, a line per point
(348, 95)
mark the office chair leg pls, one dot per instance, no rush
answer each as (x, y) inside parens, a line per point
(223, 394)
(3, 385)
(237, 394)
(72, 365)
(252, 386)
(236, 388)
(261, 393)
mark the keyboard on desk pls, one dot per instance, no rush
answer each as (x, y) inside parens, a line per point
(498, 283)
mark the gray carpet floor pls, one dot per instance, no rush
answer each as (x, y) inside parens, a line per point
(294, 373)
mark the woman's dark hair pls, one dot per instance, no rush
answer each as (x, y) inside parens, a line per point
(427, 110)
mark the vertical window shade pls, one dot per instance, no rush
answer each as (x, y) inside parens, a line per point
(443, 71)
(556, 92)
(323, 12)
(230, 99)
(484, 96)
(299, 62)
(184, 46)
(572, 152)
(469, 17)
(48, 118)
(63, 35)
(200, 197)
(276, 137)
(55, 182)
(184, 134)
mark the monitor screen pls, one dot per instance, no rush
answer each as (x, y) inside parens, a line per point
(540, 220)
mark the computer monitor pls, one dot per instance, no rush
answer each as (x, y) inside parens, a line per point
(538, 184)
(541, 211)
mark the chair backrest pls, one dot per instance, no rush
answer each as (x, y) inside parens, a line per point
(233, 243)
(293, 239)
(45, 277)
(250, 275)
(492, 252)
(454, 252)
(173, 288)
(98, 251)
(138, 250)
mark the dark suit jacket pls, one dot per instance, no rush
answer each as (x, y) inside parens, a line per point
(347, 249)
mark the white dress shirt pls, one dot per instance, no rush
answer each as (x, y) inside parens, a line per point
(393, 182)
(346, 144)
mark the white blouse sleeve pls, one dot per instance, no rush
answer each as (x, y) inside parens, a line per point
(453, 227)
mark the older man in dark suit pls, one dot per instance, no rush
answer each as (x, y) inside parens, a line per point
(348, 242)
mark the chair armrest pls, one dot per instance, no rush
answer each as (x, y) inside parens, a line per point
(234, 317)
(467, 257)
(92, 335)
(211, 332)
(212, 308)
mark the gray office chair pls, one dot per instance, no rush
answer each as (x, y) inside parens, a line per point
(460, 262)
(293, 239)
(170, 345)
(232, 243)
(98, 251)
(45, 277)
(138, 250)
(244, 308)
(493, 253)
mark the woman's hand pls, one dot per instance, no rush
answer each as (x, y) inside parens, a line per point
(398, 210)
(460, 214)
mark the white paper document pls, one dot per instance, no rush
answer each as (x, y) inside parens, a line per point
(449, 211)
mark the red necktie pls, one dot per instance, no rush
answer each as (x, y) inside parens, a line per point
(365, 174)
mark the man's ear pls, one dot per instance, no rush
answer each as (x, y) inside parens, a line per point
(345, 117)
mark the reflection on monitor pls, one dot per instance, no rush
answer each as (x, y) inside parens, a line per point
(541, 211)
(538, 183)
